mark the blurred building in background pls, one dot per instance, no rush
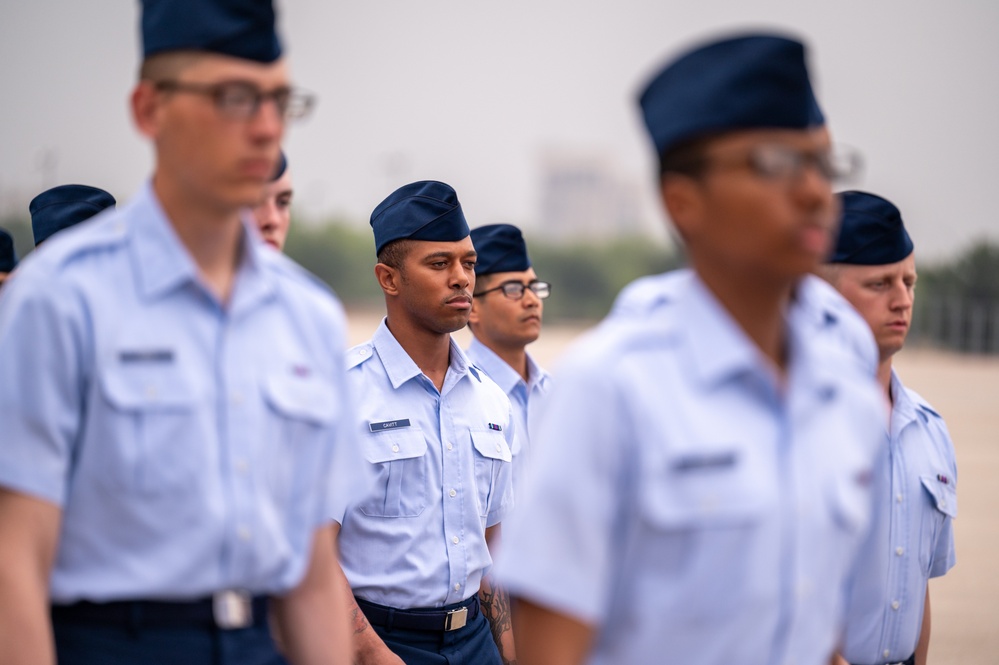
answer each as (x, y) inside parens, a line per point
(583, 197)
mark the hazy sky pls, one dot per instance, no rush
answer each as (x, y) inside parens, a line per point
(474, 93)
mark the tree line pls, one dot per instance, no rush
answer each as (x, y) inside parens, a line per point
(957, 303)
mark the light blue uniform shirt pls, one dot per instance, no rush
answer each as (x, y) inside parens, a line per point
(912, 538)
(189, 444)
(526, 398)
(443, 474)
(687, 506)
(817, 301)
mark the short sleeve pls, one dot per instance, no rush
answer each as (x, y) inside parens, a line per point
(557, 548)
(501, 500)
(42, 386)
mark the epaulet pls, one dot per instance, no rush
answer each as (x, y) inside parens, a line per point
(922, 404)
(358, 354)
(282, 264)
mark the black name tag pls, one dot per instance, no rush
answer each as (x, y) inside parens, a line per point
(146, 356)
(705, 462)
(388, 424)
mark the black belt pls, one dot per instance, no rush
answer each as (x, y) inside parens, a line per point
(226, 610)
(447, 618)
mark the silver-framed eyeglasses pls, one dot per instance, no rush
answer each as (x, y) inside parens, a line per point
(514, 290)
(777, 161)
(241, 100)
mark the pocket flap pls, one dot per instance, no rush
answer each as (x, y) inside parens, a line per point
(148, 388)
(303, 398)
(711, 488)
(394, 444)
(491, 444)
(941, 488)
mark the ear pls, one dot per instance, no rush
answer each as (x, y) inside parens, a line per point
(144, 103)
(683, 199)
(473, 316)
(388, 278)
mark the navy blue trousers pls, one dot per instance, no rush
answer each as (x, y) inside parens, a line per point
(470, 645)
(91, 644)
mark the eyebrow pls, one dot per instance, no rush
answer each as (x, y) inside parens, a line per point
(447, 255)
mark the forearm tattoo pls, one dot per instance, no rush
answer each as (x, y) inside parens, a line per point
(495, 604)
(358, 620)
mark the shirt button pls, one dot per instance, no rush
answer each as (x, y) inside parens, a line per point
(898, 498)
(457, 587)
(455, 540)
(244, 534)
(449, 446)
(886, 653)
(241, 465)
(237, 398)
(395, 448)
(151, 392)
(452, 494)
(894, 604)
(899, 551)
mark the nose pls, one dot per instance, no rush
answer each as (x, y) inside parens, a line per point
(902, 297)
(459, 277)
(266, 214)
(268, 122)
(812, 186)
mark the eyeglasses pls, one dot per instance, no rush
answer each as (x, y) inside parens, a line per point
(515, 290)
(776, 161)
(240, 100)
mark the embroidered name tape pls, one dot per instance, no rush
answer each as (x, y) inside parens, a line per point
(705, 462)
(388, 424)
(495, 427)
(146, 356)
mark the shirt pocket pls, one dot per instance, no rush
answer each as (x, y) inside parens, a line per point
(399, 458)
(152, 440)
(938, 505)
(708, 489)
(491, 452)
(697, 509)
(295, 448)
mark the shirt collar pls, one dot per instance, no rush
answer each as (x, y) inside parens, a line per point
(400, 368)
(498, 370)
(163, 263)
(719, 349)
(903, 409)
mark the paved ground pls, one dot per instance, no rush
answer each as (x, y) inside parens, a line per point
(965, 390)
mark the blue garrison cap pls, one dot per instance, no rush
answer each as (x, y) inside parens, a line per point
(8, 255)
(239, 28)
(747, 82)
(61, 207)
(281, 167)
(871, 232)
(425, 210)
(500, 248)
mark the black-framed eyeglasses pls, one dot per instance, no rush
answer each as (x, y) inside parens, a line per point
(777, 161)
(514, 290)
(240, 100)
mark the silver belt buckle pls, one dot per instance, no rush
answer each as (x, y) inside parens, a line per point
(232, 609)
(456, 619)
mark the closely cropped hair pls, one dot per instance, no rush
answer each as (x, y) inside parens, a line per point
(394, 253)
(686, 158)
(167, 65)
